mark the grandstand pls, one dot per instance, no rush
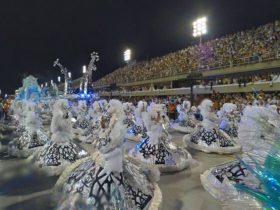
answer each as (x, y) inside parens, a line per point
(237, 62)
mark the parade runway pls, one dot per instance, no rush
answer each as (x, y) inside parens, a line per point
(181, 191)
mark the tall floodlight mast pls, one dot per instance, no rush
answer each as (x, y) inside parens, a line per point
(127, 56)
(200, 28)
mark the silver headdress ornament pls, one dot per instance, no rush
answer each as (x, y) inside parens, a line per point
(90, 68)
(94, 58)
(63, 71)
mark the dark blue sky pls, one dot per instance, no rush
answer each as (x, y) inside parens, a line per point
(33, 33)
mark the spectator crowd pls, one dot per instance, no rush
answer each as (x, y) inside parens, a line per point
(240, 99)
(255, 45)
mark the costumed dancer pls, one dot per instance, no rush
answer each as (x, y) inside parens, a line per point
(60, 151)
(250, 181)
(228, 119)
(8, 128)
(33, 136)
(106, 179)
(185, 122)
(138, 131)
(95, 113)
(82, 124)
(208, 137)
(157, 149)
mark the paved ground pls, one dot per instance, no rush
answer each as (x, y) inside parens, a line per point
(181, 191)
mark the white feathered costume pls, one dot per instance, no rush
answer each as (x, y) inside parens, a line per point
(209, 138)
(61, 151)
(156, 149)
(107, 179)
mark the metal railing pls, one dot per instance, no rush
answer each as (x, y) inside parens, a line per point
(200, 89)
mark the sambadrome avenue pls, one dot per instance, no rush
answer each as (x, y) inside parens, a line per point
(140, 105)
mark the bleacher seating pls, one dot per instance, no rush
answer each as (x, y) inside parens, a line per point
(256, 45)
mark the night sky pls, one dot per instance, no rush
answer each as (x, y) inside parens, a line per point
(33, 33)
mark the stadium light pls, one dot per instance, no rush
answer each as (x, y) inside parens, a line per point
(69, 75)
(127, 55)
(58, 79)
(200, 27)
(84, 69)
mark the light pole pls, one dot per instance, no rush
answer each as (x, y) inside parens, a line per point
(70, 82)
(83, 78)
(199, 28)
(63, 71)
(87, 71)
(127, 56)
(193, 78)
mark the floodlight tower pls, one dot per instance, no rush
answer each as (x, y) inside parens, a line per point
(63, 71)
(127, 55)
(200, 28)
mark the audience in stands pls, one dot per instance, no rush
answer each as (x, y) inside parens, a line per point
(256, 45)
(240, 99)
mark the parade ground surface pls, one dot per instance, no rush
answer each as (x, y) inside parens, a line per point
(181, 191)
